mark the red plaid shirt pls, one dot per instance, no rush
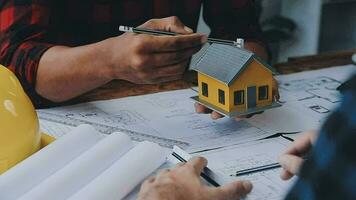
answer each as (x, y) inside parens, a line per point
(29, 28)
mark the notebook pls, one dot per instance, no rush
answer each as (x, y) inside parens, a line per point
(83, 164)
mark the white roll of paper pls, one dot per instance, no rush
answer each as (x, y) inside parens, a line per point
(30, 172)
(81, 171)
(122, 177)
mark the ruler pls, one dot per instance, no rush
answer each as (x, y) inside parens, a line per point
(107, 129)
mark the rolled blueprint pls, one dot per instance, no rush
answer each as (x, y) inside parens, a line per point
(30, 172)
(70, 179)
(122, 177)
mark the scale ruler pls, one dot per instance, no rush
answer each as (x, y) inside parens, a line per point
(107, 129)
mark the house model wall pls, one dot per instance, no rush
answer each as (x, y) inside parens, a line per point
(233, 81)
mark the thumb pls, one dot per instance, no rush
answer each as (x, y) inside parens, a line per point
(233, 191)
(170, 24)
(291, 163)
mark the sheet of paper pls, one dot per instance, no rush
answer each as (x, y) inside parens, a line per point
(30, 172)
(81, 171)
(53, 129)
(125, 174)
(308, 98)
(167, 115)
(267, 184)
(230, 159)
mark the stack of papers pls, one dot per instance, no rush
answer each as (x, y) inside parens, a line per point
(83, 165)
(169, 118)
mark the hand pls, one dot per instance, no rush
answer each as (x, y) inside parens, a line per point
(292, 159)
(183, 183)
(215, 115)
(148, 59)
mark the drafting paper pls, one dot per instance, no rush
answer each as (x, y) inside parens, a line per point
(29, 173)
(125, 174)
(266, 184)
(82, 170)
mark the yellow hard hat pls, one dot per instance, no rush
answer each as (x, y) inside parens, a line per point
(19, 127)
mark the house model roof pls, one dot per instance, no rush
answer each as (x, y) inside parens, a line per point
(225, 62)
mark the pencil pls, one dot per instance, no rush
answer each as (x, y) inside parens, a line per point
(257, 169)
(239, 42)
(203, 175)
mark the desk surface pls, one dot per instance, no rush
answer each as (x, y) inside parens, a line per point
(118, 88)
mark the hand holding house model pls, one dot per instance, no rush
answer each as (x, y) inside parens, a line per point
(234, 81)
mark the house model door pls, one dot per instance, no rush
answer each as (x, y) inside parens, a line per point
(251, 97)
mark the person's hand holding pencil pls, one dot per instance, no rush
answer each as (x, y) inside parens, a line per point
(148, 59)
(183, 182)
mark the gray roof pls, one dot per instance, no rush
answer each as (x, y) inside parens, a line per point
(225, 62)
(196, 57)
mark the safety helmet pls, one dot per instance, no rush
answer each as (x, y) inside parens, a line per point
(19, 126)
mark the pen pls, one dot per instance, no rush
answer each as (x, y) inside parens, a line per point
(239, 41)
(203, 175)
(257, 169)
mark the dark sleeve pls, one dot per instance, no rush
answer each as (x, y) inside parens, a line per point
(330, 173)
(231, 19)
(23, 40)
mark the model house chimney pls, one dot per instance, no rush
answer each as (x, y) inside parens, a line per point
(240, 43)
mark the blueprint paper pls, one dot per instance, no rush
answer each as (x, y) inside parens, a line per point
(53, 129)
(125, 174)
(86, 167)
(266, 184)
(231, 159)
(167, 115)
(30, 172)
(314, 93)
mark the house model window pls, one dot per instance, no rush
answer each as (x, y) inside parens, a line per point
(263, 92)
(239, 97)
(204, 89)
(221, 97)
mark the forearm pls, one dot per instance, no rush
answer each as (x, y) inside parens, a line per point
(64, 72)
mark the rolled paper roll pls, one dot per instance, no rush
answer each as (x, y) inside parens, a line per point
(70, 179)
(125, 174)
(29, 173)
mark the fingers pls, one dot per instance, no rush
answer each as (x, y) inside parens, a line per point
(170, 43)
(197, 164)
(215, 115)
(175, 57)
(231, 191)
(302, 144)
(170, 24)
(161, 74)
(248, 116)
(164, 59)
(291, 163)
(286, 175)
(204, 110)
(275, 91)
(201, 109)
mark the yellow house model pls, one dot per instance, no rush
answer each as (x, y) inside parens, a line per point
(233, 81)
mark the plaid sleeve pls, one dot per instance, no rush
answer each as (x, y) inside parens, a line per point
(231, 19)
(330, 173)
(23, 40)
